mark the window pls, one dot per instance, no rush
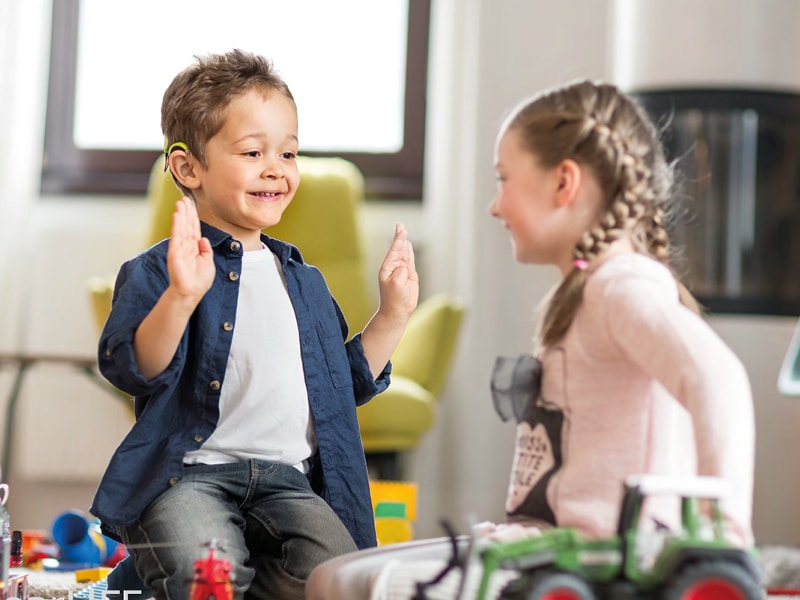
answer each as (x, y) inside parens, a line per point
(357, 69)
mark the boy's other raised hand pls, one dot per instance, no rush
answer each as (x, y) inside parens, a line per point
(397, 278)
(190, 260)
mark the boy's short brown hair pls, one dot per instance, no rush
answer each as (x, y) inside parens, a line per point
(194, 104)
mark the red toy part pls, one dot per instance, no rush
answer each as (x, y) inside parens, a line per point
(212, 578)
(120, 552)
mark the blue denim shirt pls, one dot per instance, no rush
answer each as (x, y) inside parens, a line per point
(178, 410)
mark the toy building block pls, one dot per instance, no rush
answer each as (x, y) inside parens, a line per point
(395, 507)
(94, 574)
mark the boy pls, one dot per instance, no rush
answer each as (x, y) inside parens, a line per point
(245, 390)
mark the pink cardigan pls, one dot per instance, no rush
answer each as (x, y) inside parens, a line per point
(640, 384)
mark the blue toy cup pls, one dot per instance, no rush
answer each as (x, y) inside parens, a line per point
(80, 541)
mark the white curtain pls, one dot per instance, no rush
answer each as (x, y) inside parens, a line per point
(24, 58)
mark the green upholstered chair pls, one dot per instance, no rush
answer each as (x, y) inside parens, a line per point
(324, 222)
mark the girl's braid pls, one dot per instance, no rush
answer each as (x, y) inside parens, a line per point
(608, 133)
(636, 205)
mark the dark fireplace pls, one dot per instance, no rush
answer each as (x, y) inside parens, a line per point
(737, 156)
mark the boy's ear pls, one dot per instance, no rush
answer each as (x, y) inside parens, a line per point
(569, 175)
(183, 167)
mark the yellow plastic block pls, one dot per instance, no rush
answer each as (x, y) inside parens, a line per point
(393, 531)
(96, 574)
(395, 506)
(401, 492)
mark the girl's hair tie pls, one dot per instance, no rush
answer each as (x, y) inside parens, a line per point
(580, 264)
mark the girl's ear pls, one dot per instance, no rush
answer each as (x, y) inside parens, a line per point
(569, 175)
(183, 166)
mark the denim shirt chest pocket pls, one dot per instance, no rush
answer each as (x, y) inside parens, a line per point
(333, 349)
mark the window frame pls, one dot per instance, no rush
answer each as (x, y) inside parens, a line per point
(67, 169)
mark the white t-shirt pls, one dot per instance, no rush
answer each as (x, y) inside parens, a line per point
(263, 410)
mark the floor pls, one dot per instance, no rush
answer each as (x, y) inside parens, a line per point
(781, 567)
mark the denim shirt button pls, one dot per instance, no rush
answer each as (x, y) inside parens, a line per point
(233, 276)
(214, 385)
(227, 326)
(173, 481)
(199, 438)
(235, 246)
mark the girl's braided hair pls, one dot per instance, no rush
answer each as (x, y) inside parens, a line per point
(606, 131)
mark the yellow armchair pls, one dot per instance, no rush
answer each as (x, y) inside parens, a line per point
(394, 421)
(324, 222)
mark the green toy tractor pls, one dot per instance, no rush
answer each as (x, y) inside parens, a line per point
(645, 560)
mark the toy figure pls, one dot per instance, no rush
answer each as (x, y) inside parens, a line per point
(212, 578)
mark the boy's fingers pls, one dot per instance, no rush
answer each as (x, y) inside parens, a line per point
(399, 241)
(400, 233)
(410, 253)
(186, 223)
(194, 216)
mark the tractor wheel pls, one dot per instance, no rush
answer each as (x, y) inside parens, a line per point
(717, 580)
(550, 585)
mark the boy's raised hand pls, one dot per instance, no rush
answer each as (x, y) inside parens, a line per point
(399, 290)
(190, 264)
(190, 260)
(398, 281)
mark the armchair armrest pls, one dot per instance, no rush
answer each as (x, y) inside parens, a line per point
(395, 419)
(101, 289)
(428, 345)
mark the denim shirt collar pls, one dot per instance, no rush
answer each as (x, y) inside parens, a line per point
(283, 250)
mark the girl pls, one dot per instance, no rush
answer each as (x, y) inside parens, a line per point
(634, 380)
(628, 378)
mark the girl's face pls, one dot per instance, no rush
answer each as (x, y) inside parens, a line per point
(251, 174)
(528, 201)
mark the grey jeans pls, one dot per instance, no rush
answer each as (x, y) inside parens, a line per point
(263, 518)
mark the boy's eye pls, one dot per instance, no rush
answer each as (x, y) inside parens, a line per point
(253, 153)
(288, 155)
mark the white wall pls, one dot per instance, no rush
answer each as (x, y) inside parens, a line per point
(487, 55)
(721, 43)
(738, 44)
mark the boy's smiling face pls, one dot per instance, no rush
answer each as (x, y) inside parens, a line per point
(251, 174)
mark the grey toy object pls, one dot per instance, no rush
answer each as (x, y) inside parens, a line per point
(516, 383)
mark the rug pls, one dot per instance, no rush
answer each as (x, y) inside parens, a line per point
(781, 565)
(51, 584)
